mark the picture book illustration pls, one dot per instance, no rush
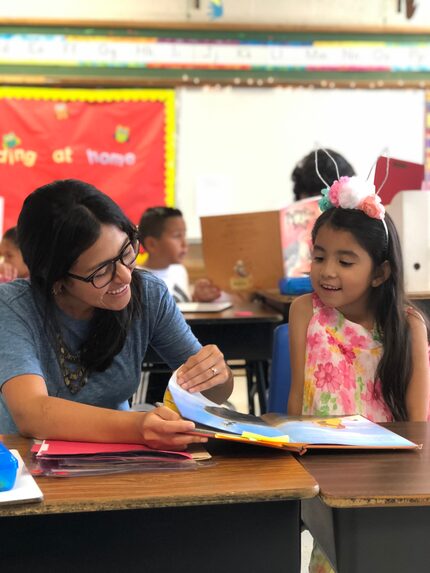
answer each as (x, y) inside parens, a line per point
(280, 430)
(298, 220)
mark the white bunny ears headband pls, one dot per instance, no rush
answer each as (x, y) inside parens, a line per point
(352, 193)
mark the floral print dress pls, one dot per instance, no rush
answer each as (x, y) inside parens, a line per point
(340, 367)
(341, 362)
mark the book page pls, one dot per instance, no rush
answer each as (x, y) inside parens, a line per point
(198, 408)
(341, 431)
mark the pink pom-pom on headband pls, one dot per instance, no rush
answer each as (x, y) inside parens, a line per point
(351, 193)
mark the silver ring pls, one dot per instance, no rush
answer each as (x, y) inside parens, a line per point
(214, 372)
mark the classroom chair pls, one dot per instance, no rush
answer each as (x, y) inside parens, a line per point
(280, 372)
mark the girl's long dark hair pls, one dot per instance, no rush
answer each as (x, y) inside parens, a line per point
(57, 223)
(388, 300)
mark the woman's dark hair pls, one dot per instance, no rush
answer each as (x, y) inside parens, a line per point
(388, 300)
(305, 177)
(57, 223)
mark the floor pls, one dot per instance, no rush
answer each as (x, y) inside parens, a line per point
(239, 399)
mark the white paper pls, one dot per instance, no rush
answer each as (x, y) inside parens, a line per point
(25, 488)
(203, 306)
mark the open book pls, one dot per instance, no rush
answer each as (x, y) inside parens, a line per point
(281, 431)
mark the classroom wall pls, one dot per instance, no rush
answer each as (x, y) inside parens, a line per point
(236, 148)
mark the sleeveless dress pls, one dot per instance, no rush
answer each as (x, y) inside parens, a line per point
(340, 366)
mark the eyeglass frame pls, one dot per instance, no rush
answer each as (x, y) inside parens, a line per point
(113, 262)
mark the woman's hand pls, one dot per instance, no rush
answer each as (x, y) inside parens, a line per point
(205, 371)
(164, 429)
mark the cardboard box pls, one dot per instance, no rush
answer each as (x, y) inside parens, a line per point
(251, 251)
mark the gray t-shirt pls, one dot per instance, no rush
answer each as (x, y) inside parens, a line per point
(25, 347)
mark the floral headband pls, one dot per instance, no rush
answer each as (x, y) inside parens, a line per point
(352, 193)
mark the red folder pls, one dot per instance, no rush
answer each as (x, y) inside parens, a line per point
(402, 176)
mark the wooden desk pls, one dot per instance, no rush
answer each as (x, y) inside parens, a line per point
(243, 332)
(239, 513)
(373, 510)
(274, 299)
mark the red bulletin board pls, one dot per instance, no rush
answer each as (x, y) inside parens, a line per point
(121, 141)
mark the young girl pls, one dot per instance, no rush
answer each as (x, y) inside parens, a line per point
(357, 345)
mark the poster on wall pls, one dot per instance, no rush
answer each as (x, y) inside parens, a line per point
(121, 141)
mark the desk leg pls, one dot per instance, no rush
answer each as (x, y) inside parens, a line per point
(371, 540)
(256, 375)
(250, 537)
(250, 382)
(261, 376)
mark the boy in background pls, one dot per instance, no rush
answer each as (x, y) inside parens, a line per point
(162, 233)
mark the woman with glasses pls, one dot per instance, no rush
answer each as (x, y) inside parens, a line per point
(75, 335)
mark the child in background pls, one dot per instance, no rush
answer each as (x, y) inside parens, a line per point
(302, 214)
(13, 265)
(162, 233)
(306, 181)
(357, 345)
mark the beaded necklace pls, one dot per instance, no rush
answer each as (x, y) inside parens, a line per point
(74, 379)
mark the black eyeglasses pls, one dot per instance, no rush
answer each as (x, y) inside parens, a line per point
(106, 273)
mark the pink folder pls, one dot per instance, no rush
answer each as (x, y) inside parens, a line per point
(65, 448)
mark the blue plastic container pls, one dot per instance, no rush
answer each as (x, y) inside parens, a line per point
(8, 468)
(295, 285)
